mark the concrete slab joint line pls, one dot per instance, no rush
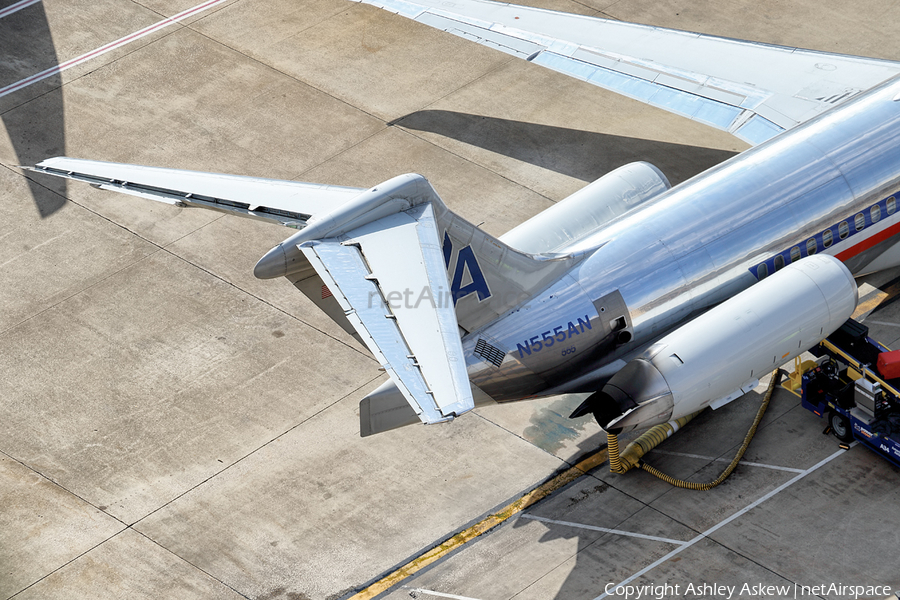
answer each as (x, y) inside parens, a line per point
(219, 412)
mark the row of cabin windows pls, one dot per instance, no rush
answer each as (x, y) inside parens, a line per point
(859, 221)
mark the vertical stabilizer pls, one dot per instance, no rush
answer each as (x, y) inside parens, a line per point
(487, 276)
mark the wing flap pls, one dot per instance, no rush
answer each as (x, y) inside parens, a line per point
(482, 34)
(389, 278)
(725, 83)
(290, 203)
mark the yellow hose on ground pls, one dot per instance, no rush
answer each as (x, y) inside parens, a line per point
(656, 435)
(612, 448)
(647, 441)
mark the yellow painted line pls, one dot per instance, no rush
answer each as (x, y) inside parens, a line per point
(869, 304)
(873, 297)
(483, 526)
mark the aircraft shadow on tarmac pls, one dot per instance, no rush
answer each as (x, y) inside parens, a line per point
(33, 116)
(590, 573)
(550, 429)
(580, 154)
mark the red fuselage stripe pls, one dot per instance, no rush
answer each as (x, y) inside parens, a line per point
(868, 243)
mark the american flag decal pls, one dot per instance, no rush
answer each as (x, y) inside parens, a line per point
(326, 293)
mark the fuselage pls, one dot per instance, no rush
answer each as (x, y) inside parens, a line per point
(828, 186)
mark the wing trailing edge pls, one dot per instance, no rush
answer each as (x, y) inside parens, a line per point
(289, 203)
(724, 83)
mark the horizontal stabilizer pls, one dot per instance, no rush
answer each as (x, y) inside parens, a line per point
(390, 279)
(384, 409)
(287, 202)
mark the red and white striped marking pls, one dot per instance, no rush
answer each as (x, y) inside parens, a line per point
(5, 12)
(23, 83)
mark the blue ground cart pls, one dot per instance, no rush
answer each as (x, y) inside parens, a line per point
(844, 385)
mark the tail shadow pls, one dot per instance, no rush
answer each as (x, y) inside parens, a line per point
(33, 115)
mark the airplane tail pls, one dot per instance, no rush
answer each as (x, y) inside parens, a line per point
(484, 278)
(408, 277)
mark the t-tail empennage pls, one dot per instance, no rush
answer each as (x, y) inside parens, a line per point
(390, 279)
(388, 198)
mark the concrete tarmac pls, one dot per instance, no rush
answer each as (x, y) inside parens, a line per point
(172, 427)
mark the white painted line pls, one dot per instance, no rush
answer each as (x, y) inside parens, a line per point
(439, 594)
(14, 87)
(605, 530)
(764, 466)
(16, 7)
(714, 459)
(721, 524)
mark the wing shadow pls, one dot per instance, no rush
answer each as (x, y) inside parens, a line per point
(581, 154)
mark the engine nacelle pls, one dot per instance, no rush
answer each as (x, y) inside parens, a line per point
(587, 210)
(722, 354)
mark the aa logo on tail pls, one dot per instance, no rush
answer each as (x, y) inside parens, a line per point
(466, 264)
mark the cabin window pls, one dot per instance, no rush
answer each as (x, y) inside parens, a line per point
(859, 221)
(762, 271)
(826, 238)
(843, 230)
(875, 213)
(795, 254)
(810, 246)
(779, 262)
(891, 205)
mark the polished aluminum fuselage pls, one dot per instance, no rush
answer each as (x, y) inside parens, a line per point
(699, 244)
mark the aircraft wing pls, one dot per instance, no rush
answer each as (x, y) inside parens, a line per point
(287, 202)
(750, 89)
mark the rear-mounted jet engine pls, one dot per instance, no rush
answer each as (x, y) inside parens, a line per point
(721, 355)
